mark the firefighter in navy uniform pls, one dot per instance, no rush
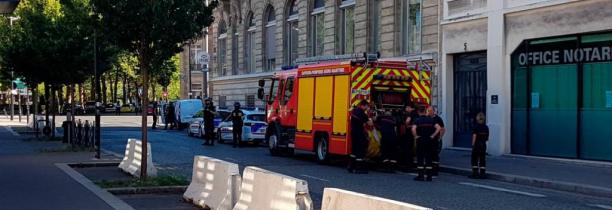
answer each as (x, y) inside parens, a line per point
(209, 122)
(406, 143)
(425, 130)
(386, 124)
(480, 136)
(437, 147)
(359, 142)
(237, 123)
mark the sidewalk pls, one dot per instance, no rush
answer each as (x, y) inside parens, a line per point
(29, 179)
(585, 177)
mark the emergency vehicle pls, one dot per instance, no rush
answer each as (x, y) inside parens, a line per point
(308, 107)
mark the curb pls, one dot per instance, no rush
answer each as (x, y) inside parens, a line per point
(147, 190)
(93, 164)
(536, 182)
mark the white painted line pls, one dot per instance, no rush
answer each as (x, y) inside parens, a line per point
(502, 189)
(600, 206)
(107, 197)
(9, 129)
(316, 178)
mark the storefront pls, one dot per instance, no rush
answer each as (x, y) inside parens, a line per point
(562, 97)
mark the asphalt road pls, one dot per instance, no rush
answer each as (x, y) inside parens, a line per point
(173, 153)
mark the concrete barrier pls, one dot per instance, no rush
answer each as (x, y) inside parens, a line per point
(133, 156)
(337, 199)
(214, 184)
(267, 190)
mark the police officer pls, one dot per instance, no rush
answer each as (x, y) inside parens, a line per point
(154, 126)
(359, 142)
(209, 122)
(437, 146)
(386, 124)
(480, 136)
(424, 130)
(237, 123)
(406, 144)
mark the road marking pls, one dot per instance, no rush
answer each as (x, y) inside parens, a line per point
(502, 189)
(314, 177)
(600, 206)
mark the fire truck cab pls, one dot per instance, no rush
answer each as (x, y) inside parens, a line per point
(308, 107)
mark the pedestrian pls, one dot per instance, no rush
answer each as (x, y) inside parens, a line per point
(437, 146)
(117, 109)
(170, 116)
(406, 151)
(480, 136)
(424, 130)
(386, 124)
(154, 113)
(209, 122)
(359, 142)
(237, 123)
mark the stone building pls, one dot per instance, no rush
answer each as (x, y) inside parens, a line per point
(540, 69)
(192, 75)
(251, 39)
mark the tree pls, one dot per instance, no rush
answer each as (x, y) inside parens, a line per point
(154, 31)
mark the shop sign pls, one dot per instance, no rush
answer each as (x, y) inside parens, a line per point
(566, 56)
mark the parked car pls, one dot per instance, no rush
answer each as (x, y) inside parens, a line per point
(78, 109)
(109, 108)
(90, 107)
(254, 129)
(196, 123)
(185, 110)
(221, 114)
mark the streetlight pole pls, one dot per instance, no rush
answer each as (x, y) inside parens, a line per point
(12, 97)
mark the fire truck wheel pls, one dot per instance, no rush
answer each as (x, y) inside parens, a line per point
(322, 149)
(273, 143)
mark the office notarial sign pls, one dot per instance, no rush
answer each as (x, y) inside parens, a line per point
(566, 56)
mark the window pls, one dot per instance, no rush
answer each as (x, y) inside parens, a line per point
(249, 44)
(269, 40)
(222, 101)
(374, 26)
(222, 48)
(274, 90)
(410, 20)
(250, 100)
(234, 50)
(346, 35)
(196, 87)
(288, 91)
(291, 33)
(317, 27)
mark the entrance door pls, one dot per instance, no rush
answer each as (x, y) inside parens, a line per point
(470, 94)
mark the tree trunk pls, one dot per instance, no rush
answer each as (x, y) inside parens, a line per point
(47, 103)
(125, 88)
(104, 88)
(53, 109)
(144, 67)
(116, 85)
(92, 92)
(35, 103)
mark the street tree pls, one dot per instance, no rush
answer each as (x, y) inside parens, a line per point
(152, 30)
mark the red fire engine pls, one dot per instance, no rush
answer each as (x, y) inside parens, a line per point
(308, 108)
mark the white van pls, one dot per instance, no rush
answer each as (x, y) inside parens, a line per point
(185, 109)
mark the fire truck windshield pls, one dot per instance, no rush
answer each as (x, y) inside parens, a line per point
(273, 90)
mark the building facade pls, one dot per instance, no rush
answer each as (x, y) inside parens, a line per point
(193, 81)
(252, 39)
(540, 69)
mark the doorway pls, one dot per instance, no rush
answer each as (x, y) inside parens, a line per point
(470, 94)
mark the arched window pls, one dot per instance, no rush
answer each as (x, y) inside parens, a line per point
(374, 26)
(291, 32)
(269, 39)
(346, 27)
(235, 68)
(410, 28)
(317, 27)
(249, 44)
(222, 48)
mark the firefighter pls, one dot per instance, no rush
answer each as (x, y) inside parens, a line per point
(209, 122)
(359, 143)
(424, 130)
(386, 124)
(237, 123)
(437, 146)
(480, 136)
(406, 144)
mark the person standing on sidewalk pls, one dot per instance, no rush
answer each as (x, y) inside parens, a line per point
(480, 136)
(359, 142)
(437, 146)
(425, 130)
(237, 123)
(154, 113)
(170, 116)
(209, 122)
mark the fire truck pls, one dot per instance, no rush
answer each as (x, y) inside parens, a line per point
(308, 106)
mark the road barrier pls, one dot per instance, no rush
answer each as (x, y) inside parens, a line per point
(262, 189)
(133, 156)
(338, 199)
(214, 183)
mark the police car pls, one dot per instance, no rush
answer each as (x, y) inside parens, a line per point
(196, 127)
(254, 129)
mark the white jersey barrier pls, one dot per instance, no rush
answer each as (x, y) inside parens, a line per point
(214, 183)
(262, 189)
(133, 156)
(337, 199)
